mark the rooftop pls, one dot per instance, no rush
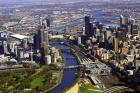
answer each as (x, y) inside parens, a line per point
(18, 36)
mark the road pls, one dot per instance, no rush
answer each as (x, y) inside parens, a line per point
(115, 89)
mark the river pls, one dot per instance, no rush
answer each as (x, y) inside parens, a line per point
(69, 76)
(98, 16)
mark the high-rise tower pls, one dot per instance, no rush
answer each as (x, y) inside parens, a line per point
(88, 26)
(122, 20)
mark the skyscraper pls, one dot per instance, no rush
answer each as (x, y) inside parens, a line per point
(45, 41)
(122, 20)
(132, 26)
(116, 44)
(36, 41)
(88, 26)
(131, 20)
(37, 38)
(46, 38)
(5, 50)
(129, 28)
(47, 22)
(41, 38)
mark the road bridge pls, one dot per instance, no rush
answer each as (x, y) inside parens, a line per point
(73, 67)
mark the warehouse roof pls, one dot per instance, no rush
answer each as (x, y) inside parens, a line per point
(18, 36)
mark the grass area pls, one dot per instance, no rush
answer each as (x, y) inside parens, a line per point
(60, 75)
(12, 80)
(56, 40)
(17, 81)
(73, 29)
(38, 82)
(89, 88)
(20, 91)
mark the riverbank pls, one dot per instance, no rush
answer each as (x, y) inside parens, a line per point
(58, 82)
(60, 78)
(74, 89)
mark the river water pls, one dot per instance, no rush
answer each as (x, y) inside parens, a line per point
(98, 16)
(69, 76)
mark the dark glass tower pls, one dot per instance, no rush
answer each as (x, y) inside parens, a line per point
(87, 25)
(47, 22)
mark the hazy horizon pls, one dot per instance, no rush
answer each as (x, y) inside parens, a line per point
(41, 1)
(50, 1)
(58, 1)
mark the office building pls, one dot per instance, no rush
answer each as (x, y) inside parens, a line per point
(48, 22)
(79, 40)
(88, 27)
(20, 54)
(130, 29)
(121, 34)
(44, 49)
(48, 59)
(24, 43)
(139, 35)
(122, 20)
(46, 38)
(131, 20)
(53, 58)
(98, 32)
(36, 42)
(5, 46)
(135, 29)
(37, 38)
(116, 44)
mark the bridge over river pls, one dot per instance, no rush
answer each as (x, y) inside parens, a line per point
(73, 67)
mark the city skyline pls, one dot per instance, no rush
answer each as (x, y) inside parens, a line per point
(68, 46)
